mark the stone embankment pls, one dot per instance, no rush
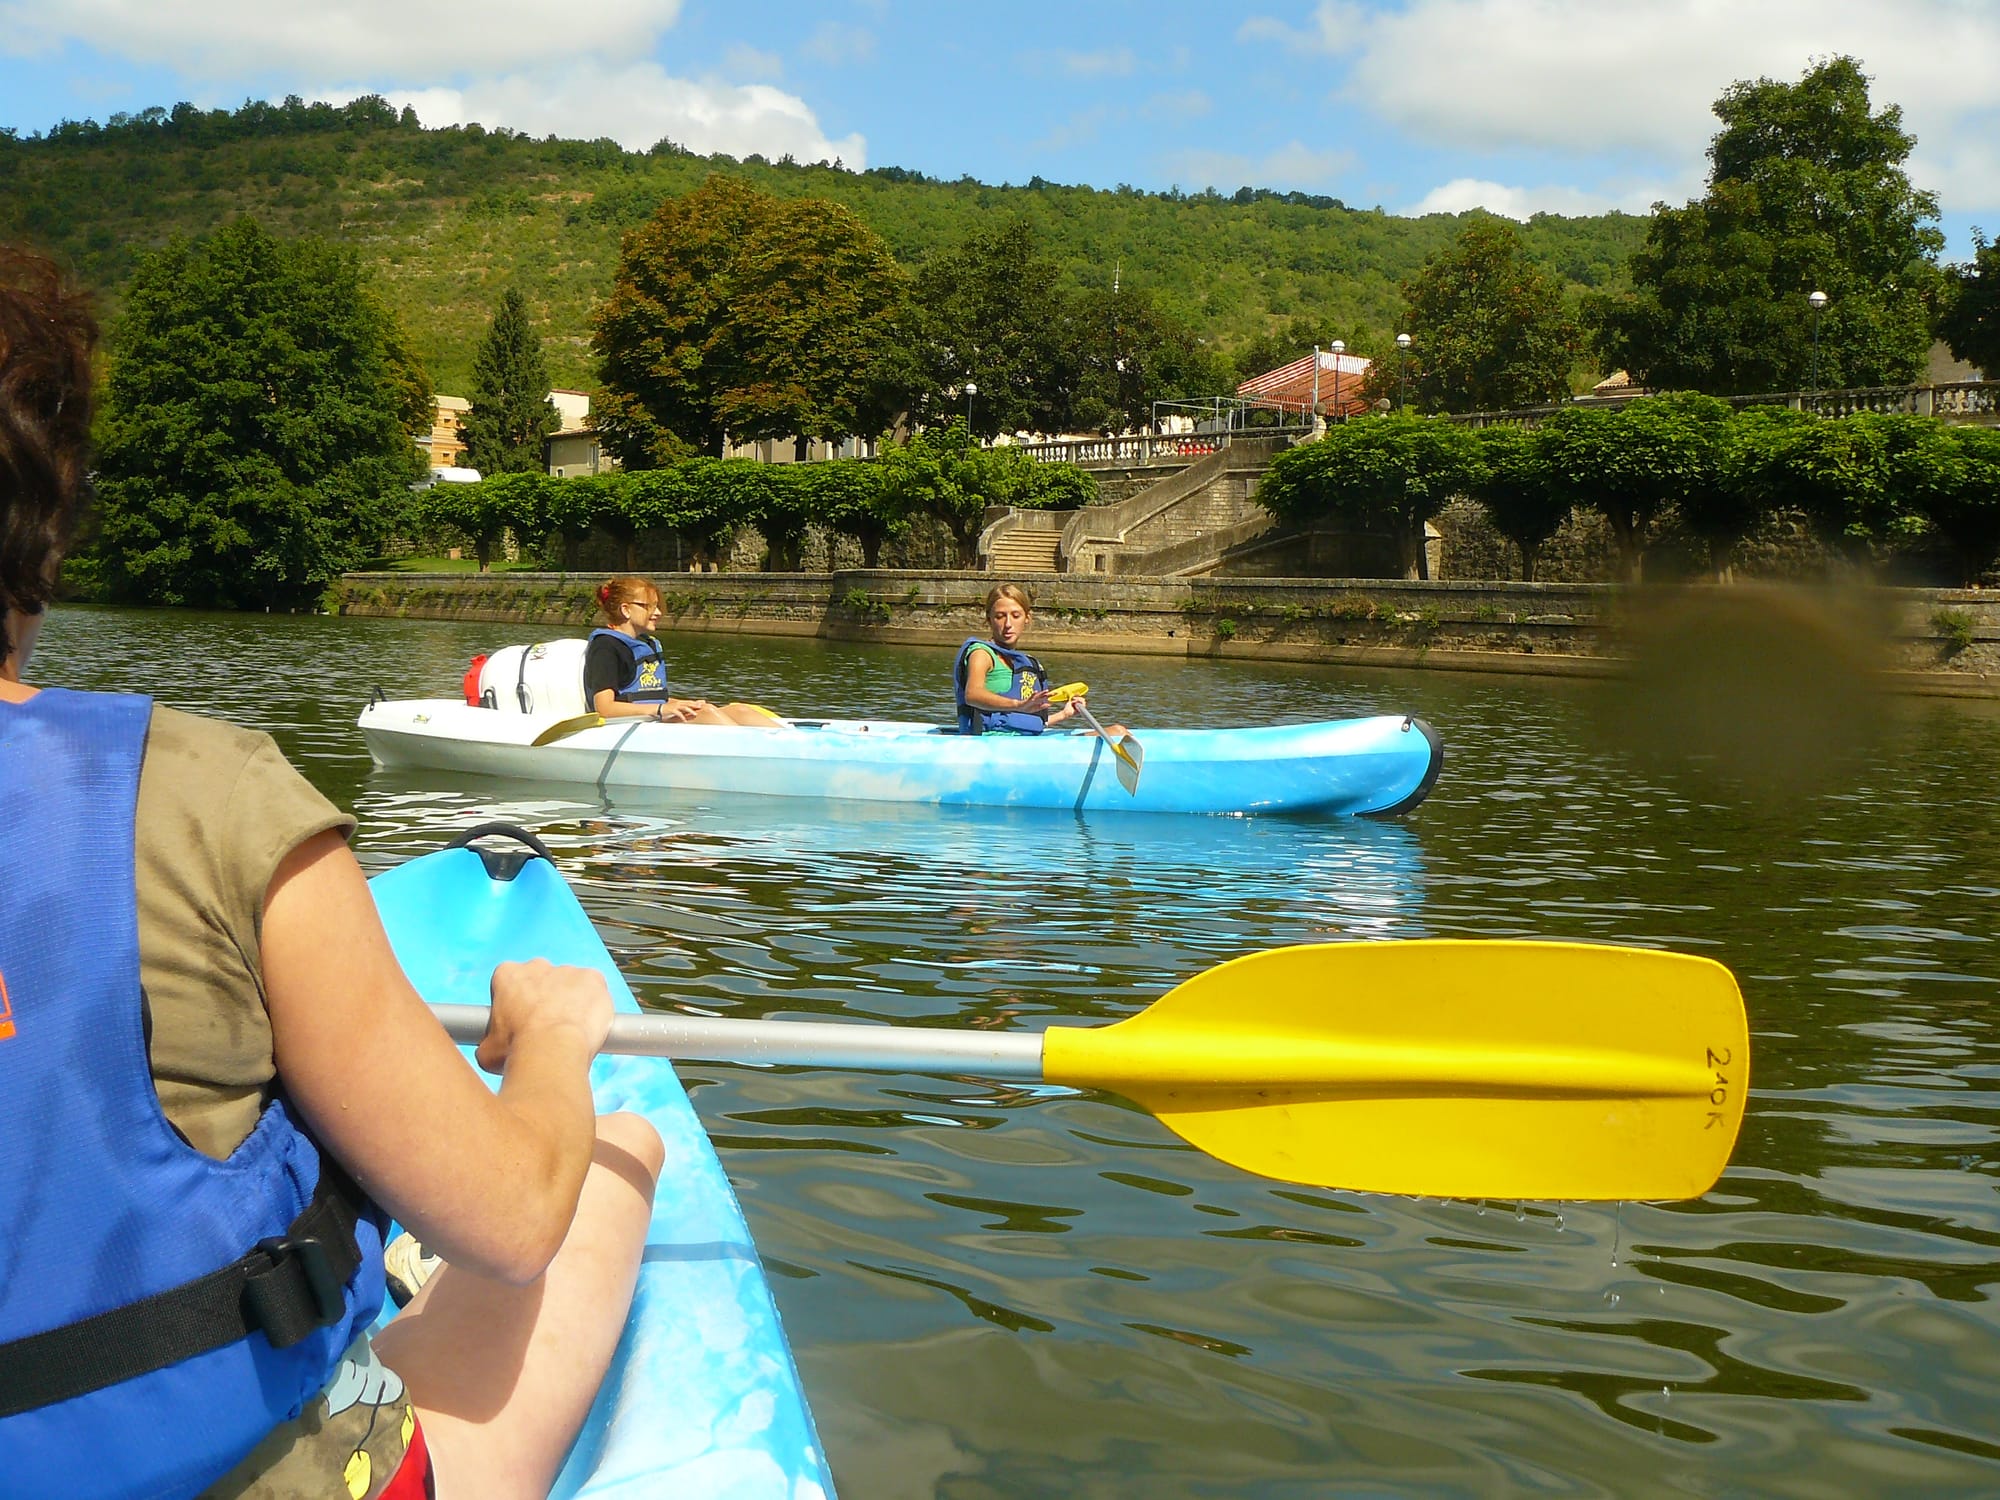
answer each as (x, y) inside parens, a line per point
(1933, 641)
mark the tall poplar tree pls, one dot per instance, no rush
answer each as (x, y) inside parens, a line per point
(511, 411)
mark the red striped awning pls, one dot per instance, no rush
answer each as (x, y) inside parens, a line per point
(1291, 386)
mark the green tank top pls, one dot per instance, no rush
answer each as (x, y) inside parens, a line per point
(999, 676)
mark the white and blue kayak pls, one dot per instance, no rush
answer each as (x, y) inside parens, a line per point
(1376, 767)
(703, 1398)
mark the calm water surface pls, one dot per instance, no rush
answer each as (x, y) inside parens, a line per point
(1033, 1292)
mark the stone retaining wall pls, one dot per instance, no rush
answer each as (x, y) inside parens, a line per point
(1936, 641)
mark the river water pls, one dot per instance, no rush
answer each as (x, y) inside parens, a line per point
(1033, 1292)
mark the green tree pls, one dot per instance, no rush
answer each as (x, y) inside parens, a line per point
(1952, 479)
(736, 314)
(416, 403)
(1388, 473)
(855, 501)
(1129, 354)
(252, 441)
(511, 411)
(1512, 483)
(1489, 327)
(1669, 454)
(1806, 193)
(1723, 513)
(1631, 464)
(486, 510)
(942, 473)
(1842, 474)
(1971, 319)
(994, 314)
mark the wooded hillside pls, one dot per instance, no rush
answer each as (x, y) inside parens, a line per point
(447, 218)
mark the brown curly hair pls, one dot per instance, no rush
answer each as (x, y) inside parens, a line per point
(48, 331)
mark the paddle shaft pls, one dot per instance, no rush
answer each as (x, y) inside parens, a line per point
(1330, 1066)
(983, 1054)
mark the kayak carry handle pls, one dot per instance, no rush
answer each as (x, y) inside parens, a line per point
(502, 864)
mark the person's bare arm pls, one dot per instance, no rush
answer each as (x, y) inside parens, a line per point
(607, 705)
(488, 1181)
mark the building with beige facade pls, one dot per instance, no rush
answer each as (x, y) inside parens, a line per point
(445, 446)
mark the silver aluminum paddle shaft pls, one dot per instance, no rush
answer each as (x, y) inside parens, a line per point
(981, 1054)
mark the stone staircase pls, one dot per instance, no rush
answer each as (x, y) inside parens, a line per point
(1187, 524)
(1021, 551)
(1180, 526)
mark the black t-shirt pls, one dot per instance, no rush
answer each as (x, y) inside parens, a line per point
(609, 663)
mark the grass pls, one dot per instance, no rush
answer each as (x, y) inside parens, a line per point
(1954, 627)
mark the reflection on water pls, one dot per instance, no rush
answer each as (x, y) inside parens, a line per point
(1007, 1291)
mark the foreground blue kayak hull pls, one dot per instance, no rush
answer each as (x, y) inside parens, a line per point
(1375, 767)
(703, 1400)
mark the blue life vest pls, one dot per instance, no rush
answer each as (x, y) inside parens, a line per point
(1028, 678)
(145, 1289)
(647, 682)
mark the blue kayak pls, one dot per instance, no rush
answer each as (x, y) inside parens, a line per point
(1373, 767)
(702, 1399)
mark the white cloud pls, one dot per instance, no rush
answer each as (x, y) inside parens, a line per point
(1080, 129)
(500, 62)
(1582, 78)
(637, 105)
(1186, 104)
(1292, 166)
(1463, 193)
(742, 61)
(839, 45)
(1269, 29)
(1112, 62)
(222, 38)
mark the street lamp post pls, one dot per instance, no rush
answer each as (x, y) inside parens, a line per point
(1339, 347)
(1402, 370)
(1817, 302)
(971, 390)
(1315, 409)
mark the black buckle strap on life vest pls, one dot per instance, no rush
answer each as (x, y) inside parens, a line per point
(288, 1287)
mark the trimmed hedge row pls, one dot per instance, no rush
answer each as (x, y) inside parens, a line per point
(1864, 483)
(941, 475)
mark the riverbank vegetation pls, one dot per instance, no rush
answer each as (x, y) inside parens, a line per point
(1867, 487)
(940, 476)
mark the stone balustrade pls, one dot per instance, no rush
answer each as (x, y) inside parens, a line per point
(1145, 448)
(1961, 401)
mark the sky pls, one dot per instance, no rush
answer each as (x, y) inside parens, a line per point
(1519, 106)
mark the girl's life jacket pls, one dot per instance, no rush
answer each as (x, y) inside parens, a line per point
(646, 679)
(1024, 677)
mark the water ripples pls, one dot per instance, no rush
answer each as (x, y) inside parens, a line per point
(998, 1290)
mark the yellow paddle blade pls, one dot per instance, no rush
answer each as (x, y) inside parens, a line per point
(566, 727)
(1446, 1068)
(1068, 691)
